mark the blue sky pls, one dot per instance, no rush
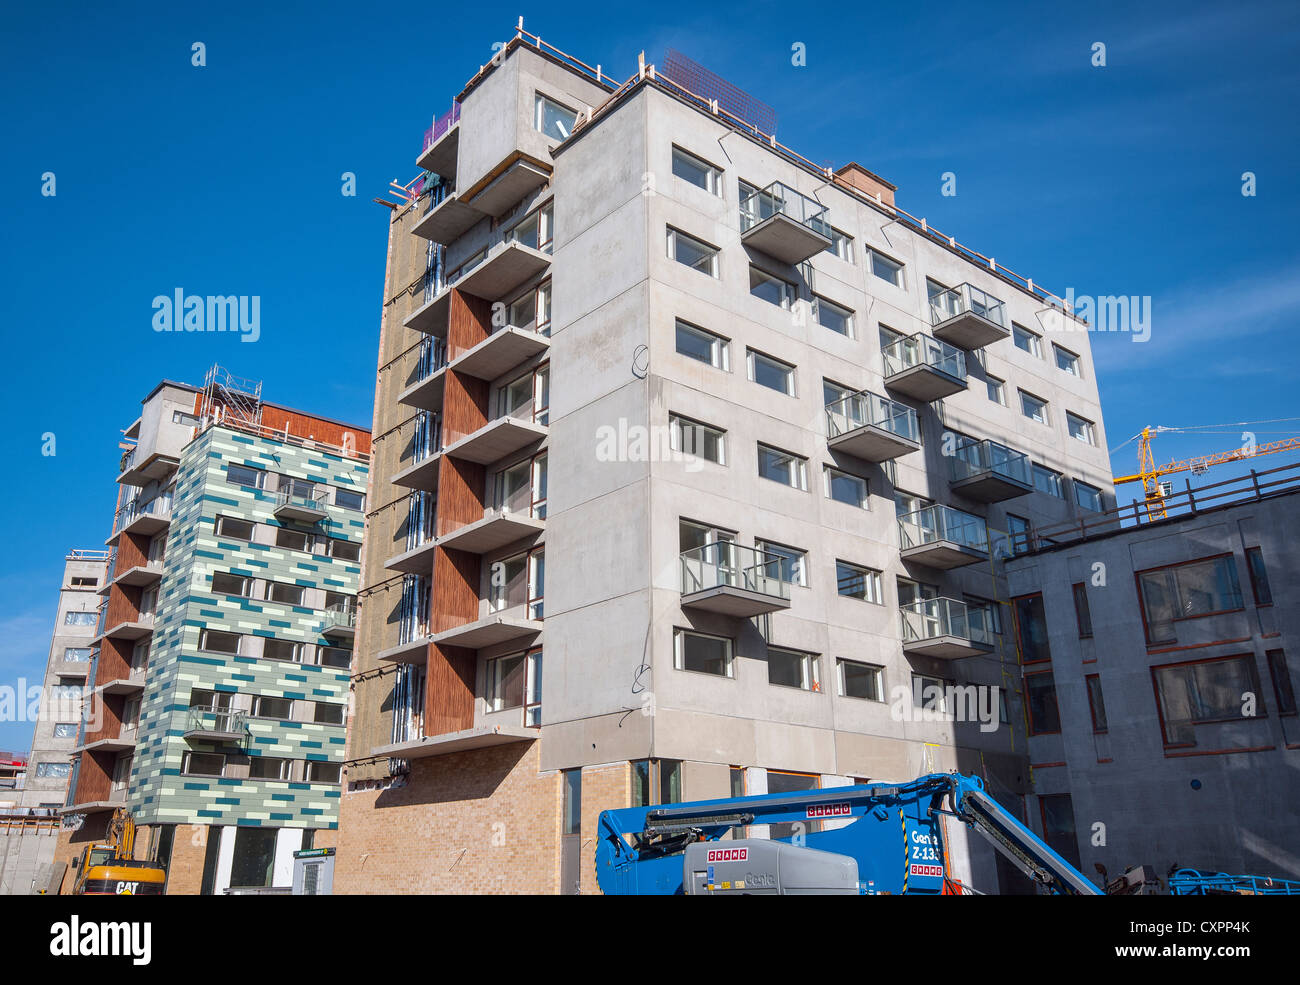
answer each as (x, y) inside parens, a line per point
(225, 179)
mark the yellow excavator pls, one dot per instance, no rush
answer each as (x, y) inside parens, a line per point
(108, 869)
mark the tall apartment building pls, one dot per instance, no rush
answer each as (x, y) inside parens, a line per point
(727, 436)
(1160, 677)
(29, 807)
(220, 678)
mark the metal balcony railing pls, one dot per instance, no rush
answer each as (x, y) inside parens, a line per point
(316, 500)
(725, 565)
(971, 458)
(966, 298)
(224, 722)
(159, 506)
(923, 350)
(341, 615)
(780, 199)
(928, 619)
(865, 408)
(938, 523)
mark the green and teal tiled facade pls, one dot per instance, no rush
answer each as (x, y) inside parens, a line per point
(160, 791)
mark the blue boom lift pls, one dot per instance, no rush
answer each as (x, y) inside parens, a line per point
(892, 845)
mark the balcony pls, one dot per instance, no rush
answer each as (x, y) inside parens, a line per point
(988, 471)
(944, 628)
(139, 575)
(491, 631)
(784, 224)
(447, 220)
(518, 178)
(507, 266)
(872, 428)
(340, 621)
(478, 737)
(498, 528)
(431, 317)
(416, 651)
(302, 503)
(136, 469)
(131, 629)
(497, 439)
(143, 518)
(442, 145)
(924, 368)
(942, 537)
(113, 744)
(967, 317)
(430, 377)
(426, 454)
(732, 580)
(207, 725)
(116, 799)
(133, 684)
(500, 352)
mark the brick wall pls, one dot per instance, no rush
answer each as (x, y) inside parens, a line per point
(603, 788)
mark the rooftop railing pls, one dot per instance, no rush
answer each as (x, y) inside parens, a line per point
(780, 199)
(725, 565)
(923, 350)
(866, 408)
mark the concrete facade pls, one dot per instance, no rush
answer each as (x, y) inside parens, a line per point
(1139, 775)
(613, 692)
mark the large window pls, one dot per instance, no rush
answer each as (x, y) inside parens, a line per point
(76, 654)
(700, 440)
(702, 345)
(692, 252)
(1031, 628)
(264, 706)
(269, 768)
(80, 618)
(855, 582)
(771, 373)
(701, 653)
(1040, 700)
(792, 668)
(1204, 691)
(552, 119)
(697, 171)
(515, 681)
(235, 528)
(249, 478)
(860, 680)
(783, 467)
(656, 781)
(319, 772)
(1187, 591)
(771, 289)
(215, 641)
(203, 764)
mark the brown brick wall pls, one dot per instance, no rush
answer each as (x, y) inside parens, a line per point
(483, 821)
(71, 844)
(603, 788)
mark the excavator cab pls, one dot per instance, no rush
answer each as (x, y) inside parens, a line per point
(107, 869)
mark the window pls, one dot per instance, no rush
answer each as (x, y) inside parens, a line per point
(278, 591)
(1027, 340)
(841, 246)
(792, 668)
(521, 488)
(698, 172)
(886, 268)
(180, 417)
(856, 582)
(280, 709)
(505, 682)
(294, 540)
(53, 771)
(780, 781)
(702, 654)
(910, 591)
(996, 390)
(281, 650)
(1258, 576)
(84, 582)
(771, 289)
(1187, 591)
(906, 502)
(229, 526)
(1040, 701)
(80, 618)
(692, 252)
(702, 345)
(783, 467)
(552, 119)
(65, 730)
(1096, 705)
(845, 488)
(832, 316)
(1031, 628)
(349, 499)
(656, 781)
(930, 693)
(1205, 691)
(1081, 613)
(318, 772)
(1035, 408)
(1080, 429)
(571, 821)
(859, 680)
(1282, 688)
(242, 475)
(344, 550)
(268, 768)
(334, 656)
(534, 229)
(1066, 361)
(76, 654)
(1017, 533)
(225, 583)
(771, 373)
(203, 764)
(696, 439)
(1048, 481)
(1058, 826)
(215, 641)
(1086, 496)
(210, 700)
(791, 562)
(982, 612)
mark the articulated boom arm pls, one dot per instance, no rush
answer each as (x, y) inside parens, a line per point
(893, 833)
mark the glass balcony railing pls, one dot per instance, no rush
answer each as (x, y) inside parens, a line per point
(971, 458)
(781, 199)
(928, 619)
(966, 298)
(866, 408)
(160, 507)
(936, 523)
(314, 500)
(722, 565)
(209, 720)
(341, 615)
(922, 350)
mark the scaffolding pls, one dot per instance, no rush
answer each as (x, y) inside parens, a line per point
(229, 399)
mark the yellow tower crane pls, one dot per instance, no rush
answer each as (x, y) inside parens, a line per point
(1149, 474)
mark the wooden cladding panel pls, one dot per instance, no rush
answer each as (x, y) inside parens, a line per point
(123, 605)
(114, 660)
(461, 491)
(464, 406)
(108, 709)
(132, 552)
(455, 588)
(469, 322)
(449, 689)
(94, 777)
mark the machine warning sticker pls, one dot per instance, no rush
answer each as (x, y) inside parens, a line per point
(829, 810)
(926, 870)
(728, 855)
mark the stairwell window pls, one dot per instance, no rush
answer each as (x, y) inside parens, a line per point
(697, 171)
(692, 252)
(702, 653)
(783, 467)
(552, 119)
(702, 345)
